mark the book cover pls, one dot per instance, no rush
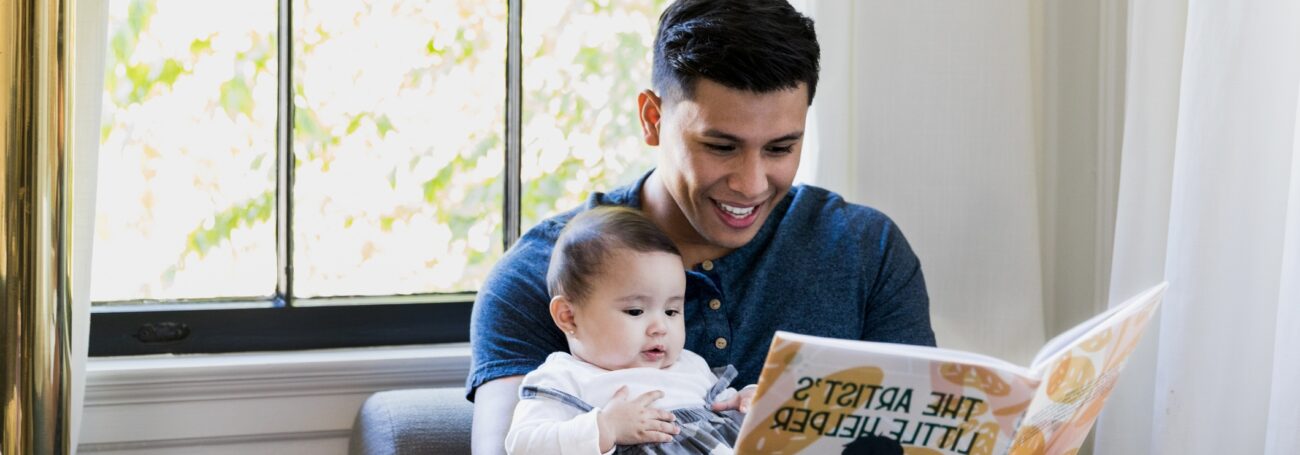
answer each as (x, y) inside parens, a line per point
(820, 395)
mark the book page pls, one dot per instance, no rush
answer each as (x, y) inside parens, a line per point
(819, 395)
(1078, 379)
(1058, 343)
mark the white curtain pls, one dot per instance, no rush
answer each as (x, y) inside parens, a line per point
(91, 18)
(1210, 200)
(1155, 62)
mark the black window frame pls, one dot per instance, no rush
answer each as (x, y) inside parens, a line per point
(278, 323)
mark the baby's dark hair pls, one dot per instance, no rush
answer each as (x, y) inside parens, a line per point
(590, 238)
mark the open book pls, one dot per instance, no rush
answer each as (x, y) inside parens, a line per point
(822, 395)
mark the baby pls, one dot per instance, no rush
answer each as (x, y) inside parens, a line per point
(618, 288)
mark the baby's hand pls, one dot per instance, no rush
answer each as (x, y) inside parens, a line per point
(740, 401)
(626, 422)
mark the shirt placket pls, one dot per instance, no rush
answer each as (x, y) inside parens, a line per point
(717, 329)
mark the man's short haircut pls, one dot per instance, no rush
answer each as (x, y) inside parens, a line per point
(756, 45)
(590, 238)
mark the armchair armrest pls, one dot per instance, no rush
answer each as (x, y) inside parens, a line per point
(415, 421)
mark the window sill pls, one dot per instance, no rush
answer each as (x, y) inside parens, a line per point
(172, 401)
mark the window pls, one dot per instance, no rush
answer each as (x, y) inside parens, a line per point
(312, 173)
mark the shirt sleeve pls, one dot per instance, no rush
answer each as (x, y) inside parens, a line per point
(542, 427)
(898, 307)
(511, 331)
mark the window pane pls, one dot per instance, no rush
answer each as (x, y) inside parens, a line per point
(186, 191)
(584, 63)
(398, 124)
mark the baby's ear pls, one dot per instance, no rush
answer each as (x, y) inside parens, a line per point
(562, 314)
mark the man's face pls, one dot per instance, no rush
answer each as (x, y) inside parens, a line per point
(729, 156)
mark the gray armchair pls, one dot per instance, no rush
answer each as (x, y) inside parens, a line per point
(415, 421)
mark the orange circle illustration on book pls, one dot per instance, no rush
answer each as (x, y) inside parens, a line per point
(786, 442)
(1068, 379)
(988, 437)
(1029, 441)
(1088, 413)
(982, 378)
(920, 451)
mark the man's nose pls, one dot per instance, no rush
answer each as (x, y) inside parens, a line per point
(749, 176)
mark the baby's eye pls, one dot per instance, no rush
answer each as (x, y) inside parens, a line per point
(671, 313)
(634, 312)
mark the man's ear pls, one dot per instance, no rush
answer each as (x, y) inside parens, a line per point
(649, 109)
(562, 314)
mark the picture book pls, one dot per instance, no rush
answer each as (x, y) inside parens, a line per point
(821, 395)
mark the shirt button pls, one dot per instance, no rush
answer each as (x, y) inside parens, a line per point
(707, 265)
(715, 304)
(721, 343)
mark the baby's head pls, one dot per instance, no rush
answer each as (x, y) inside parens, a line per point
(617, 289)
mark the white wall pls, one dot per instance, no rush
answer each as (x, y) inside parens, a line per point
(989, 132)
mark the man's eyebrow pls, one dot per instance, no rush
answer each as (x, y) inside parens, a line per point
(733, 138)
(722, 135)
(788, 137)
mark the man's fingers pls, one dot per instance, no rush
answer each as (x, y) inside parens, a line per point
(730, 403)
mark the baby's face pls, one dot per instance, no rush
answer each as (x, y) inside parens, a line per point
(633, 315)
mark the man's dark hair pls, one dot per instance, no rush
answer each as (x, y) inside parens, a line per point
(590, 238)
(755, 45)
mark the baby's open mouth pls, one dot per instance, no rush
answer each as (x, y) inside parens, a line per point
(654, 353)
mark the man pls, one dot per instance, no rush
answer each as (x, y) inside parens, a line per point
(733, 80)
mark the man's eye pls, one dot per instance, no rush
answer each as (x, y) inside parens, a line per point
(781, 150)
(720, 147)
(633, 312)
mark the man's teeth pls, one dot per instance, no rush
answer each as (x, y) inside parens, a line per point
(737, 212)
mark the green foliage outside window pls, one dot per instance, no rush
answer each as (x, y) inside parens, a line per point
(398, 114)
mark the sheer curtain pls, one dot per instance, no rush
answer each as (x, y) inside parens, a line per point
(91, 30)
(1210, 201)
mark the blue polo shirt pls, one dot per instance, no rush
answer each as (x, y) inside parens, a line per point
(819, 265)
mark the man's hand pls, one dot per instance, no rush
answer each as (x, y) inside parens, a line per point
(625, 421)
(740, 401)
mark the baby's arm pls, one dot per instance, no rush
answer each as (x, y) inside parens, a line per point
(542, 426)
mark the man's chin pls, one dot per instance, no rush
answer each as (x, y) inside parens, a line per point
(732, 239)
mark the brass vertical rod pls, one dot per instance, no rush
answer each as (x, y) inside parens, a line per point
(35, 315)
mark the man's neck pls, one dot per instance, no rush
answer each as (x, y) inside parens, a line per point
(658, 205)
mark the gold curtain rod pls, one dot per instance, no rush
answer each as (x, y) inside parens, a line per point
(36, 59)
